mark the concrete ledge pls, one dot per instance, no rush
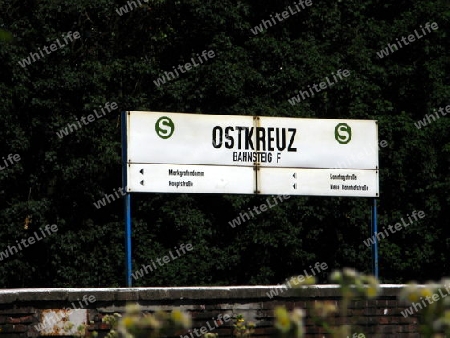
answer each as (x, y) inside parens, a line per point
(8, 296)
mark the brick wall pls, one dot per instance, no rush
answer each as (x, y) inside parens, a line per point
(22, 309)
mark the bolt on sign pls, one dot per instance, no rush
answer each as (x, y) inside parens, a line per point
(199, 153)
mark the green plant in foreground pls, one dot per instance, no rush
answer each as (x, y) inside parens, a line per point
(136, 324)
(113, 322)
(210, 335)
(242, 328)
(353, 285)
(289, 324)
(431, 304)
(81, 331)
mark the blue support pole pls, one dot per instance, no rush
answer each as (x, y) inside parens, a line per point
(374, 231)
(128, 237)
(127, 201)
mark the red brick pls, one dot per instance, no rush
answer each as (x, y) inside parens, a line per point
(27, 319)
(13, 320)
(384, 320)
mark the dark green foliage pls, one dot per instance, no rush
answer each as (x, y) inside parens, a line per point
(117, 59)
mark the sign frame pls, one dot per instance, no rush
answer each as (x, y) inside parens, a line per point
(214, 145)
(256, 167)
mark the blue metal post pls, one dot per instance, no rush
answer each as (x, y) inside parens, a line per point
(127, 201)
(374, 232)
(128, 237)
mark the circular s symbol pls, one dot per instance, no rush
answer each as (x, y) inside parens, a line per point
(343, 133)
(164, 127)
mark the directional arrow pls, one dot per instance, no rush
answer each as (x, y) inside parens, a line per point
(142, 182)
(141, 171)
(295, 185)
(294, 175)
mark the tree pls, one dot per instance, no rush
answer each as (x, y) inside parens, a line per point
(118, 58)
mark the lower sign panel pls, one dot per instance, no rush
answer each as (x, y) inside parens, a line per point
(174, 178)
(318, 182)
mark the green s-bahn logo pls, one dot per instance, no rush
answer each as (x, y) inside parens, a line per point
(164, 127)
(343, 133)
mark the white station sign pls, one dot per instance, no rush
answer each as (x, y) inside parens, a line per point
(191, 179)
(318, 182)
(247, 154)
